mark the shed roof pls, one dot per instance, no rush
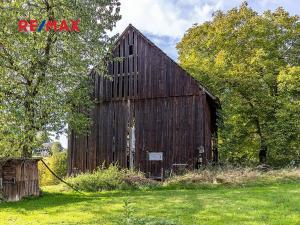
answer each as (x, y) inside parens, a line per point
(6, 159)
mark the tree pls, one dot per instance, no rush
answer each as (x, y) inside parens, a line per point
(57, 163)
(56, 148)
(44, 81)
(243, 56)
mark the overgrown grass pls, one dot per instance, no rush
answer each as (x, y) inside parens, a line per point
(271, 204)
(113, 178)
(229, 176)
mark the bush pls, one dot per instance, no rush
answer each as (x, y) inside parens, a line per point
(58, 164)
(102, 179)
(111, 178)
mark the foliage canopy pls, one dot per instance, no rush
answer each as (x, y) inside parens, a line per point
(44, 75)
(251, 61)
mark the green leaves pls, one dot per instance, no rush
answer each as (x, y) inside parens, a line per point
(44, 75)
(246, 59)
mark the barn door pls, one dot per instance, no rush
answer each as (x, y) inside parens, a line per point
(155, 165)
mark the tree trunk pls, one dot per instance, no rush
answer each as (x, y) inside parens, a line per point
(29, 131)
(262, 151)
(26, 151)
(215, 147)
(262, 155)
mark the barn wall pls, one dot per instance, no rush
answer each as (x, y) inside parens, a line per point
(175, 126)
(168, 125)
(172, 113)
(20, 179)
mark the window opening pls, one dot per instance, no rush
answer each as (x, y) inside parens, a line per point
(130, 49)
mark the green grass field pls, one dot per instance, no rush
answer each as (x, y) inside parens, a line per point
(277, 203)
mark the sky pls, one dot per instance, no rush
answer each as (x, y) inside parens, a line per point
(164, 22)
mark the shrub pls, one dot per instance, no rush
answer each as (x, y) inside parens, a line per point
(58, 164)
(101, 179)
(59, 161)
(110, 178)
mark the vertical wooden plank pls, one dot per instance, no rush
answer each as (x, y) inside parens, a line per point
(140, 67)
(130, 74)
(115, 76)
(135, 55)
(121, 80)
(101, 138)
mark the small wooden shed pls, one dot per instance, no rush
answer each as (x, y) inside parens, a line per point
(19, 178)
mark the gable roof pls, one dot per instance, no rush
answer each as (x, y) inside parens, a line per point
(130, 26)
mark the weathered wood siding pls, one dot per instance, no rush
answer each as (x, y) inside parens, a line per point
(19, 179)
(147, 73)
(170, 111)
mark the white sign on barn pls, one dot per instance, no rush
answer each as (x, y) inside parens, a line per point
(155, 156)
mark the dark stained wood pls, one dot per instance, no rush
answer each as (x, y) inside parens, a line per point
(19, 178)
(171, 112)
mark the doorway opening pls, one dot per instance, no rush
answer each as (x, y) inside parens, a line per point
(130, 144)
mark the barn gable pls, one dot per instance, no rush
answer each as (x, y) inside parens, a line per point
(144, 71)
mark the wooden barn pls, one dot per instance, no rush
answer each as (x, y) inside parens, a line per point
(19, 178)
(151, 115)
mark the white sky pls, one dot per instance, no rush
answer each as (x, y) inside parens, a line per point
(165, 21)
